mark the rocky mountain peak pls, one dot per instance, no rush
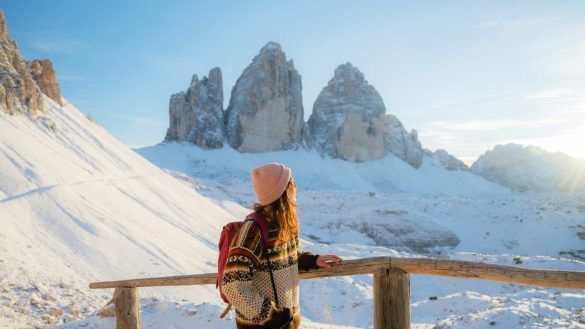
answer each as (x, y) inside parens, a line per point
(196, 115)
(265, 113)
(44, 75)
(531, 168)
(22, 84)
(347, 121)
(348, 72)
(266, 109)
(18, 91)
(3, 28)
(399, 142)
(272, 48)
(447, 160)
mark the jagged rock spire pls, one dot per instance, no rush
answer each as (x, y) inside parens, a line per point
(196, 115)
(347, 116)
(266, 109)
(20, 89)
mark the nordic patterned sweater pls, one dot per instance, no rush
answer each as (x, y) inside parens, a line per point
(246, 279)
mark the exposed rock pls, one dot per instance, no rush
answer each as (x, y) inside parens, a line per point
(401, 143)
(196, 115)
(347, 117)
(531, 168)
(399, 230)
(44, 75)
(266, 109)
(48, 123)
(55, 312)
(447, 160)
(18, 91)
(35, 299)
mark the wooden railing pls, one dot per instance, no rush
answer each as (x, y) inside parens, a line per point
(391, 284)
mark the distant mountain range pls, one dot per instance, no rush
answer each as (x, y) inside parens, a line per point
(531, 168)
(348, 121)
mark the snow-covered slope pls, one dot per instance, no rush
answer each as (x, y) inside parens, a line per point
(312, 171)
(386, 207)
(76, 205)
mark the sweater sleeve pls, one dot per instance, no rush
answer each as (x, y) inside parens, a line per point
(307, 260)
(239, 272)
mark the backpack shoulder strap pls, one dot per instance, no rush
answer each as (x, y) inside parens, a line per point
(261, 222)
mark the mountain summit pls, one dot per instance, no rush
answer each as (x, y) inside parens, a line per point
(266, 106)
(265, 113)
(22, 84)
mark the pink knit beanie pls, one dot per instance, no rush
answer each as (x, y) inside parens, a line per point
(270, 181)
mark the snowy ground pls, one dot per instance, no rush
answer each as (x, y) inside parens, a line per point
(344, 211)
(77, 206)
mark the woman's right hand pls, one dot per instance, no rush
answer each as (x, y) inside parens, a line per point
(327, 261)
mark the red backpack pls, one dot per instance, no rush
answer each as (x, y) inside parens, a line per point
(228, 233)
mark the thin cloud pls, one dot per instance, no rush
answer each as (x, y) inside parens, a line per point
(57, 45)
(554, 93)
(488, 125)
(521, 22)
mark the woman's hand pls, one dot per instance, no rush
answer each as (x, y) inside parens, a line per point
(328, 261)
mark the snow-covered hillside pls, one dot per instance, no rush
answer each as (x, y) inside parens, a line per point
(386, 207)
(76, 205)
(313, 171)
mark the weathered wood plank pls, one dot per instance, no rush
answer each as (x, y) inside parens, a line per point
(127, 304)
(391, 299)
(427, 266)
(181, 280)
(501, 273)
(348, 267)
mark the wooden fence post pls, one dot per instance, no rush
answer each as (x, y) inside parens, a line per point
(127, 304)
(391, 299)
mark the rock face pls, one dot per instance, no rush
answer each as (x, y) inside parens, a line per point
(401, 143)
(349, 122)
(447, 160)
(196, 115)
(347, 117)
(265, 112)
(19, 93)
(44, 75)
(531, 168)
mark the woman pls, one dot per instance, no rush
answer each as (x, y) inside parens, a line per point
(246, 279)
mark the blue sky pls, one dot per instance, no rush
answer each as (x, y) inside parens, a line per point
(466, 74)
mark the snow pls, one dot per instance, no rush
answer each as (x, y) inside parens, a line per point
(337, 198)
(78, 206)
(389, 174)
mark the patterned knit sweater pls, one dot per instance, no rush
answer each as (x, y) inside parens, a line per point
(246, 279)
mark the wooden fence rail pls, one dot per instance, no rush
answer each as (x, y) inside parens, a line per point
(391, 284)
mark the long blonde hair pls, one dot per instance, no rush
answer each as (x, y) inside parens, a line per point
(282, 213)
